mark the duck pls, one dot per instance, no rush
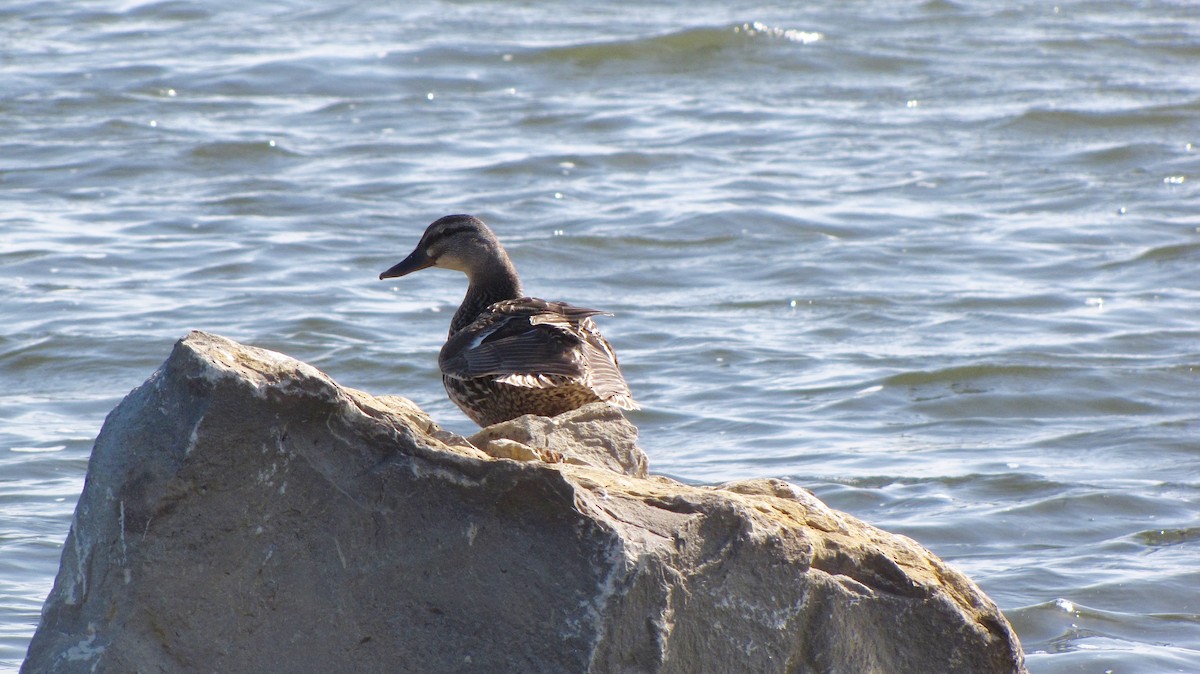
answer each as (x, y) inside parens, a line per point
(506, 354)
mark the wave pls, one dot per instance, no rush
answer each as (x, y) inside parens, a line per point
(678, 45)
(1148, 117)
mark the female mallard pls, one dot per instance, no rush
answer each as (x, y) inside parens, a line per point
(507, 354)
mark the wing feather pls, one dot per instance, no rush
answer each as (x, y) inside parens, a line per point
(537, 344)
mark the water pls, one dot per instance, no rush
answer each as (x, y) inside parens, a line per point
(935, 261)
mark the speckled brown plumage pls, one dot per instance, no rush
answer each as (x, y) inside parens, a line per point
(506, 354)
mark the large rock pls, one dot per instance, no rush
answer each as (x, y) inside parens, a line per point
(244, 513)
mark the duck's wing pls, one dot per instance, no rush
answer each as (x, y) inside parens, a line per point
(539, 344)
(509, 345)
(525, 336)
(604, 375)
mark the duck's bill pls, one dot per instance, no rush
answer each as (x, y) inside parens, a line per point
(417, 261)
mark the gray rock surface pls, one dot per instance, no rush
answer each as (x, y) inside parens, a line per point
(244, 513)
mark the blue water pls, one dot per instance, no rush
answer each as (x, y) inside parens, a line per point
(935, 261)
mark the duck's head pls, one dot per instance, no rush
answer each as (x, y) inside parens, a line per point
(460, 242)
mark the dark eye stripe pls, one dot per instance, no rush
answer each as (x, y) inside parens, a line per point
(450, 231)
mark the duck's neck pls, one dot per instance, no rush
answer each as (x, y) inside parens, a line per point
(496, 283)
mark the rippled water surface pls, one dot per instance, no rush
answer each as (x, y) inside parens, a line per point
(935, 261)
